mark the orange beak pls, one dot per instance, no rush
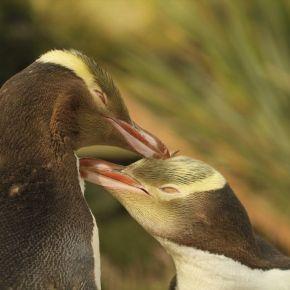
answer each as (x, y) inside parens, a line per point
(108, 175)
(140, 140)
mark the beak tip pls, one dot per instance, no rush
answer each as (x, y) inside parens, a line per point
(140, 140)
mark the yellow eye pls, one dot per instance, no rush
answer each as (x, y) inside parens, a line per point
(169, 189)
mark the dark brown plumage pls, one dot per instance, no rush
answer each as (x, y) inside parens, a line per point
(47, 112)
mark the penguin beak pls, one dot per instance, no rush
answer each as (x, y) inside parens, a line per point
(108, 175)
(140, 140)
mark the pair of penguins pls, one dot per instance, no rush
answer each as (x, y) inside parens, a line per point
(48, 236)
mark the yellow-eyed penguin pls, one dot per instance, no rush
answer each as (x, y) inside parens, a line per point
(192, 211)
(61, 102)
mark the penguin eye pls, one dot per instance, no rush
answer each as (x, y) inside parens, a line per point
(169, 189)
(101, 96)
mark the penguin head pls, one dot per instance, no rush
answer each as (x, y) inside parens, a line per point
(102, 116)
(178, 199)
(79, 102)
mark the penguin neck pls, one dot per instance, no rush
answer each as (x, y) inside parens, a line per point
(39, 114)
(228, 232)
(36, 147)
(46, 175)
(35, 160)
(197, 269)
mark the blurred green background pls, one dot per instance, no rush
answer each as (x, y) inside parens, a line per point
(217, 73)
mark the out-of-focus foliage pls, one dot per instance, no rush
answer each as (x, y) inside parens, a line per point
(22, 38)
(217, 71)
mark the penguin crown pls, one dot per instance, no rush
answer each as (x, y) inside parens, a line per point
(178, 175)
(72, 60)
(97, 80)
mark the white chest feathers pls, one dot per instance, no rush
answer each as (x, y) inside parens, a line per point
(200, 270)
(95, 239)
(97, 258)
